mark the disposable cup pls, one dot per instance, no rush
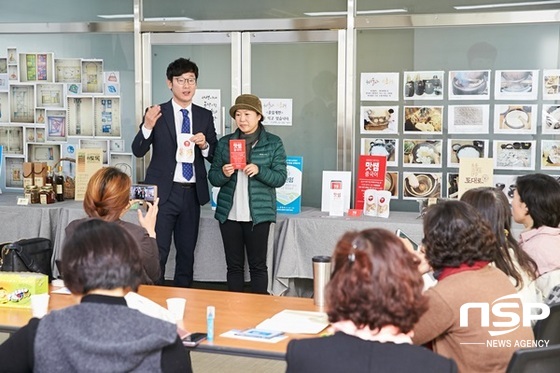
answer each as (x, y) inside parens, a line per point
(177, 307)
(40, 304)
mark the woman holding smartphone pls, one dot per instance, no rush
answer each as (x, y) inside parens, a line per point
(107, 197)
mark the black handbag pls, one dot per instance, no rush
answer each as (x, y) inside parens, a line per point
(27, 255)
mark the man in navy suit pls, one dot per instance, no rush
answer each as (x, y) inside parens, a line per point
(181, 136)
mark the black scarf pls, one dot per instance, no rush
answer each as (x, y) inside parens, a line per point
(250, 140)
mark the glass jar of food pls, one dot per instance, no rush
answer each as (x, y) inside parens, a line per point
(32, 193)
(47, 195)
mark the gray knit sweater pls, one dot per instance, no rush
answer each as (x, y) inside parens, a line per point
(97, 337)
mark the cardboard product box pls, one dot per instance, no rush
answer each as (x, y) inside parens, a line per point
(39, 173)
(28, 176)
(16, 288)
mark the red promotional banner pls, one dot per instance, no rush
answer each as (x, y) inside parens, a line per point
(371, 175)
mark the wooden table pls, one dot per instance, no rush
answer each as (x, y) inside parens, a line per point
(233, 311)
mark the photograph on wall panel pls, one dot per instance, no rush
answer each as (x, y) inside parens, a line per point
(375, 119)
(465, 148)
(381, 146)
(97, 144)
(4, 82)
(3, 65)
(514, 155)
(469, 85)
(49, 153)
(468, 119)
(392, 183)
(452, 185)
(550, 154)
(122, 161)
(80, 116)
(515, 119)
(14, 167)
(550, 119)
(50, 95)
(551, 85)
(422, 153)
(516, 84)
(423, 85)
(379, 86)
(421, 185)
(418, 119)
(506, 183)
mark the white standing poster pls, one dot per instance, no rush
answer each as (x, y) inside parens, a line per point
(211, 99)
(332, 180)
(379, 86)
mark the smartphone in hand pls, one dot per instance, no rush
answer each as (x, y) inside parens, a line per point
(401, 234)
(193, 339)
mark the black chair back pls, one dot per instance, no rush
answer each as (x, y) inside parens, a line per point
(549, 328)
(535, 360)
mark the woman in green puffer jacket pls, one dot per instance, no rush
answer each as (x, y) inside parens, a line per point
(247, 200)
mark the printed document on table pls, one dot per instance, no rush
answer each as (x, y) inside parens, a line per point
(297, 322)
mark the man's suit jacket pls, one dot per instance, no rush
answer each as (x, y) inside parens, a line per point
(163, 141)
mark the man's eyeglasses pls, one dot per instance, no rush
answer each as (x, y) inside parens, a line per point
(183, 81)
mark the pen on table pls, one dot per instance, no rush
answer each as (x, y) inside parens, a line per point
(210, 314)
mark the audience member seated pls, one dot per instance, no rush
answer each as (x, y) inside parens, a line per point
(494, 207)
(536, 205)
(101, 263)
(107, 197)
(458, 245)
(373, 300)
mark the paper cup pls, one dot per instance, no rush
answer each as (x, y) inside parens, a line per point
(40, 304)
(177, 307)
(383, 200)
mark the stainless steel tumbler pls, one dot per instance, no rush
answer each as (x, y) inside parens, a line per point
(321, 276)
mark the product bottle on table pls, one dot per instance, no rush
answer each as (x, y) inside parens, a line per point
(59, 181)
(49, 178)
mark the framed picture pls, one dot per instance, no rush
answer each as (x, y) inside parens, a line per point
(49, 153)
(375, 119)
(4, 104)
(14, 172)
(418, 119)
(381, 146)
(392, 183)
(92, 76)
(468, 119)
(516, 85)
(36, 67)
(422, 153)
(469, 85)
(116, 146)
(4, 82)
(13, 73)
(80, 116)
(551, 85)
(50, 95)
(124, 162)
(421, 185)
(97, 144)
(550, 120)
(40, 115)
(22, 98)
(40, 135)
(423, 85)
(3, 65)
(68, 70)
(107, 117)
(56, 125)
(11, 139)
(12, 56)
(462, 148)
(515, 119)
(550, 154)
(514, 155)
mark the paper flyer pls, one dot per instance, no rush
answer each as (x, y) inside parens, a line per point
(371, 175)
(237, 155)
(288, 196)
(88, 161)
(474, 173)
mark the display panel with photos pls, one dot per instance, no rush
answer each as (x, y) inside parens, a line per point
(377, 119)
(421, 185)
(418, 119)
(107, 117)
(80, 116)
(465, 148)
(381, 146)
(422, 153)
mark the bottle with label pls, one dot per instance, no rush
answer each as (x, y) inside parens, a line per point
(49, 179)
(59, 182)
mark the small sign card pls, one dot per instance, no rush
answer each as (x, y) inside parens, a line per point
(474, 173)
(371, 175)
(237, 155)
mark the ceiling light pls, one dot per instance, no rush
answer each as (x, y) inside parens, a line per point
(506, 5)
(359, 12)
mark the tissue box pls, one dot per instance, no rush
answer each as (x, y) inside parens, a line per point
(16, 288)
